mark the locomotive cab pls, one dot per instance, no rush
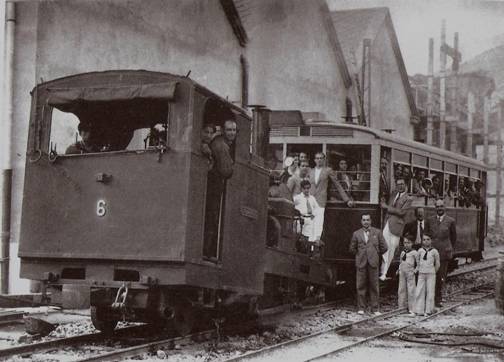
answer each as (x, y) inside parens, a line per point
(124, 213)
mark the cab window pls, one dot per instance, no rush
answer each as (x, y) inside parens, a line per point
(352, 166)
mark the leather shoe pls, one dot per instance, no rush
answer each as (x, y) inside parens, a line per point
(439, 305)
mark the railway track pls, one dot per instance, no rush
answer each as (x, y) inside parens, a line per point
(325, 345)
(140, 346)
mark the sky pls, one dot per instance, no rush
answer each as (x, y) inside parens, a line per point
(480, 25)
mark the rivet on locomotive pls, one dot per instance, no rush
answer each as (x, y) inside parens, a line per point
(134, 210)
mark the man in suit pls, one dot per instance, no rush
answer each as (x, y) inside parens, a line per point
(368, 245)
(319, 179)
(443, 230)
(416, 228)
(384, 180)
(223, 154)
(397, 212)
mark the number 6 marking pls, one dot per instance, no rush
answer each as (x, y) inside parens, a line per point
(100, 208)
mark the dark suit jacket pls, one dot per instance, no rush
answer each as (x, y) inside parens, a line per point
(398, 216)
(444, 235)
(412, 228)
(222, 155)
(370, 252)
(319, 189)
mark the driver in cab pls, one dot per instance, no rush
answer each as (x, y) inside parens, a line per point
(85, 145)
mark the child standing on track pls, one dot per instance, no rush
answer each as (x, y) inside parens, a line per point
(406, 272)
(428, 264)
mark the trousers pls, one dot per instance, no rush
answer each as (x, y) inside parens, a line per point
(392, 244)
(367, 287)
(406, 291)
(440, 279)
(318, 223)
(425, 290)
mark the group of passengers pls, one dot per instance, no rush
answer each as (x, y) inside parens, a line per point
(310, 189)
(467, 193)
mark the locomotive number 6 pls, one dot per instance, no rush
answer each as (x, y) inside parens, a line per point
(100, 208)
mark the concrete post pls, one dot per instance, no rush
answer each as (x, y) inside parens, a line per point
(430, 82)
(470, 112)
(7, 115)
(486, 115)
(498, 168)
(442, 87)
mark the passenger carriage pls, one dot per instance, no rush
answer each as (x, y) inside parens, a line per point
(363, 148)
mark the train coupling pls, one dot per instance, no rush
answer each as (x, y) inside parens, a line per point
(120, 299)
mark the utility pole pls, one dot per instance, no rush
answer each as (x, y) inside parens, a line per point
(430, 82)
(486, 111)
(470, 112)
(453, 93)
(498, 168)
(442, 87)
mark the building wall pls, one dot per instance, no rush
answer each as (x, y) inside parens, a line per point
(389, 104)
(176, 37)
(292, 64)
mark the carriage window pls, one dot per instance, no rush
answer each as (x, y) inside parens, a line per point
(451, 190)
(401, 156)
(418, 160)
(450, 167)
(420, 182)
(304, 150)
(403, 170)
(470, 193)
(436, 164)
(352, 164)
(274, 159)
(436, 190)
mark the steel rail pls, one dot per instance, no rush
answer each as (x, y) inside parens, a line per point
(44, 346)
(148, 347)
(345, 327)
(412, 323)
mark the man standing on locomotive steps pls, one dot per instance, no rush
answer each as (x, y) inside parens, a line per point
(223, 152)
(443, 231)
(368, 245)
(397, 211)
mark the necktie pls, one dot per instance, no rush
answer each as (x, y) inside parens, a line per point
(366, 233)
(404, 255)
(308, 207)
(396, 198)
(420, 231)
(426, 252)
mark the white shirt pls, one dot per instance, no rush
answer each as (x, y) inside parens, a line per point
(317, 174)
(300, 203)
(366, 235)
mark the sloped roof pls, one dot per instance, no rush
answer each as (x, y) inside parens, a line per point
(353, 26)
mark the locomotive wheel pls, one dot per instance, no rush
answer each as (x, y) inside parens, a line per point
(100, 320)
(184, 318)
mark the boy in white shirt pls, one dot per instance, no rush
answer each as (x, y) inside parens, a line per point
(428, 265)
(308, 208)
(406, 272)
